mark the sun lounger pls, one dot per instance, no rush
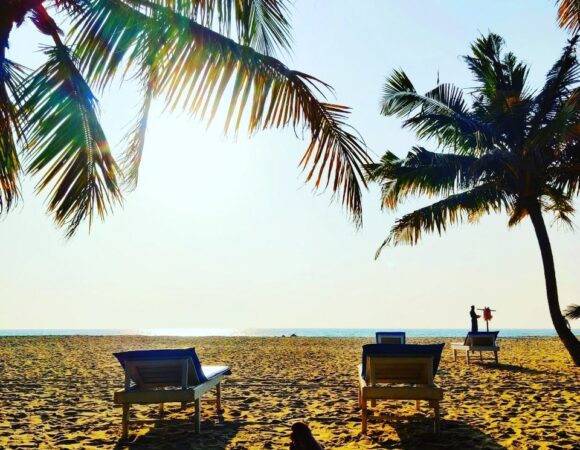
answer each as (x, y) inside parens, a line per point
(164, 376)
(482, 341)
(399, 372)
(390, 337)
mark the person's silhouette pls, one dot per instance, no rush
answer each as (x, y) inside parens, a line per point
(474, 318)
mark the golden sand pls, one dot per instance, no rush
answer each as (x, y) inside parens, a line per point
(56, 392)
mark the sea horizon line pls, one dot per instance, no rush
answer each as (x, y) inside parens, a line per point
(269, 332)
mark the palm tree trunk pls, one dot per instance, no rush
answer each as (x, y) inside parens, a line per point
(568, 339)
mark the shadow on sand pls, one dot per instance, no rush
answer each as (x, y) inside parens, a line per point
(418, 435)
(511, 368)
(180, 434)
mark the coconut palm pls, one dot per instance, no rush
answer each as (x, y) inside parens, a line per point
(194, 55)
(507, 150)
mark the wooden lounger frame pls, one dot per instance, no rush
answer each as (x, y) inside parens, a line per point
(416, 372)
(475, 343)
(165, 373)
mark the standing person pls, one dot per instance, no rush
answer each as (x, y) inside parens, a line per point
(474, 318)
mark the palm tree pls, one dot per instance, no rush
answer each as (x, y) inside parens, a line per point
(509, 149)
(187, 53)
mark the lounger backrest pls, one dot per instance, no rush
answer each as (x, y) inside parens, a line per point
(149, 369)
(481, 339)
(400, 369)
(390, 337)
(151, 374)
(393, 351)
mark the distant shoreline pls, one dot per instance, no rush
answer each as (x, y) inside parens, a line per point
(273, 332)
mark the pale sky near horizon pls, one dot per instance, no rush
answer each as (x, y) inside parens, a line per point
(222, 231)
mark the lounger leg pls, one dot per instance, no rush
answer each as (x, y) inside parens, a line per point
(418, 405)
(481, 356)
(373, 403)
(183, 405)
(161, 409)
(218, 397)
(197, 415)
(437, 417)
(454, 355)
(125, 420)
(467, 355)
(364, 416)
(496, 358)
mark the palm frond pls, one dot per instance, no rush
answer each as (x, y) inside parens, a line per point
(441, 113)
(195, 69)
(421, 172)
(569, 14)
(135, 138)
(260, 24)
(562, 128)
(269, 28)
(500, 76)
(559, 204)
(11, 76)
(44, 23)
(105, 35)
(71, 6)
(572, 312)
(486, 65)
(501, 98)
(518, 213)
(469, 205)
(67, 145)
(561, 80)
(564, 174)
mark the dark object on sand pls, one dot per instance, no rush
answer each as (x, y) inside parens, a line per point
(302, 439)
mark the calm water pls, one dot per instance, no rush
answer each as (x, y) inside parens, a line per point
(306, 332)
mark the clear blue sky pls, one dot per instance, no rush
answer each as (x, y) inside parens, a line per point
(223, 232)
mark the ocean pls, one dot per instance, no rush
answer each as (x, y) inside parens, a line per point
(271, 332)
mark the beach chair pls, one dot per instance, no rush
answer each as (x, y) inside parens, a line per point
(165, 376)
(481, 341)
(399, 372)
(390, 337)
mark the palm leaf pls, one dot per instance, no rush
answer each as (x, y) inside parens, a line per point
(572, 312)
(67, 145)
(561, 80)
(500, 97)
(269, 29)
(565, 173)
(569, 14)
(104, 35)
(197, 65)
(135, 138)
(469, 205)
(260, 24)
(421, 172)
(11, 76)
(558, 202)
(562, 128)
(442, 113)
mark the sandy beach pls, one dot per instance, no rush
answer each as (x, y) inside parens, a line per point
(56, 392)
